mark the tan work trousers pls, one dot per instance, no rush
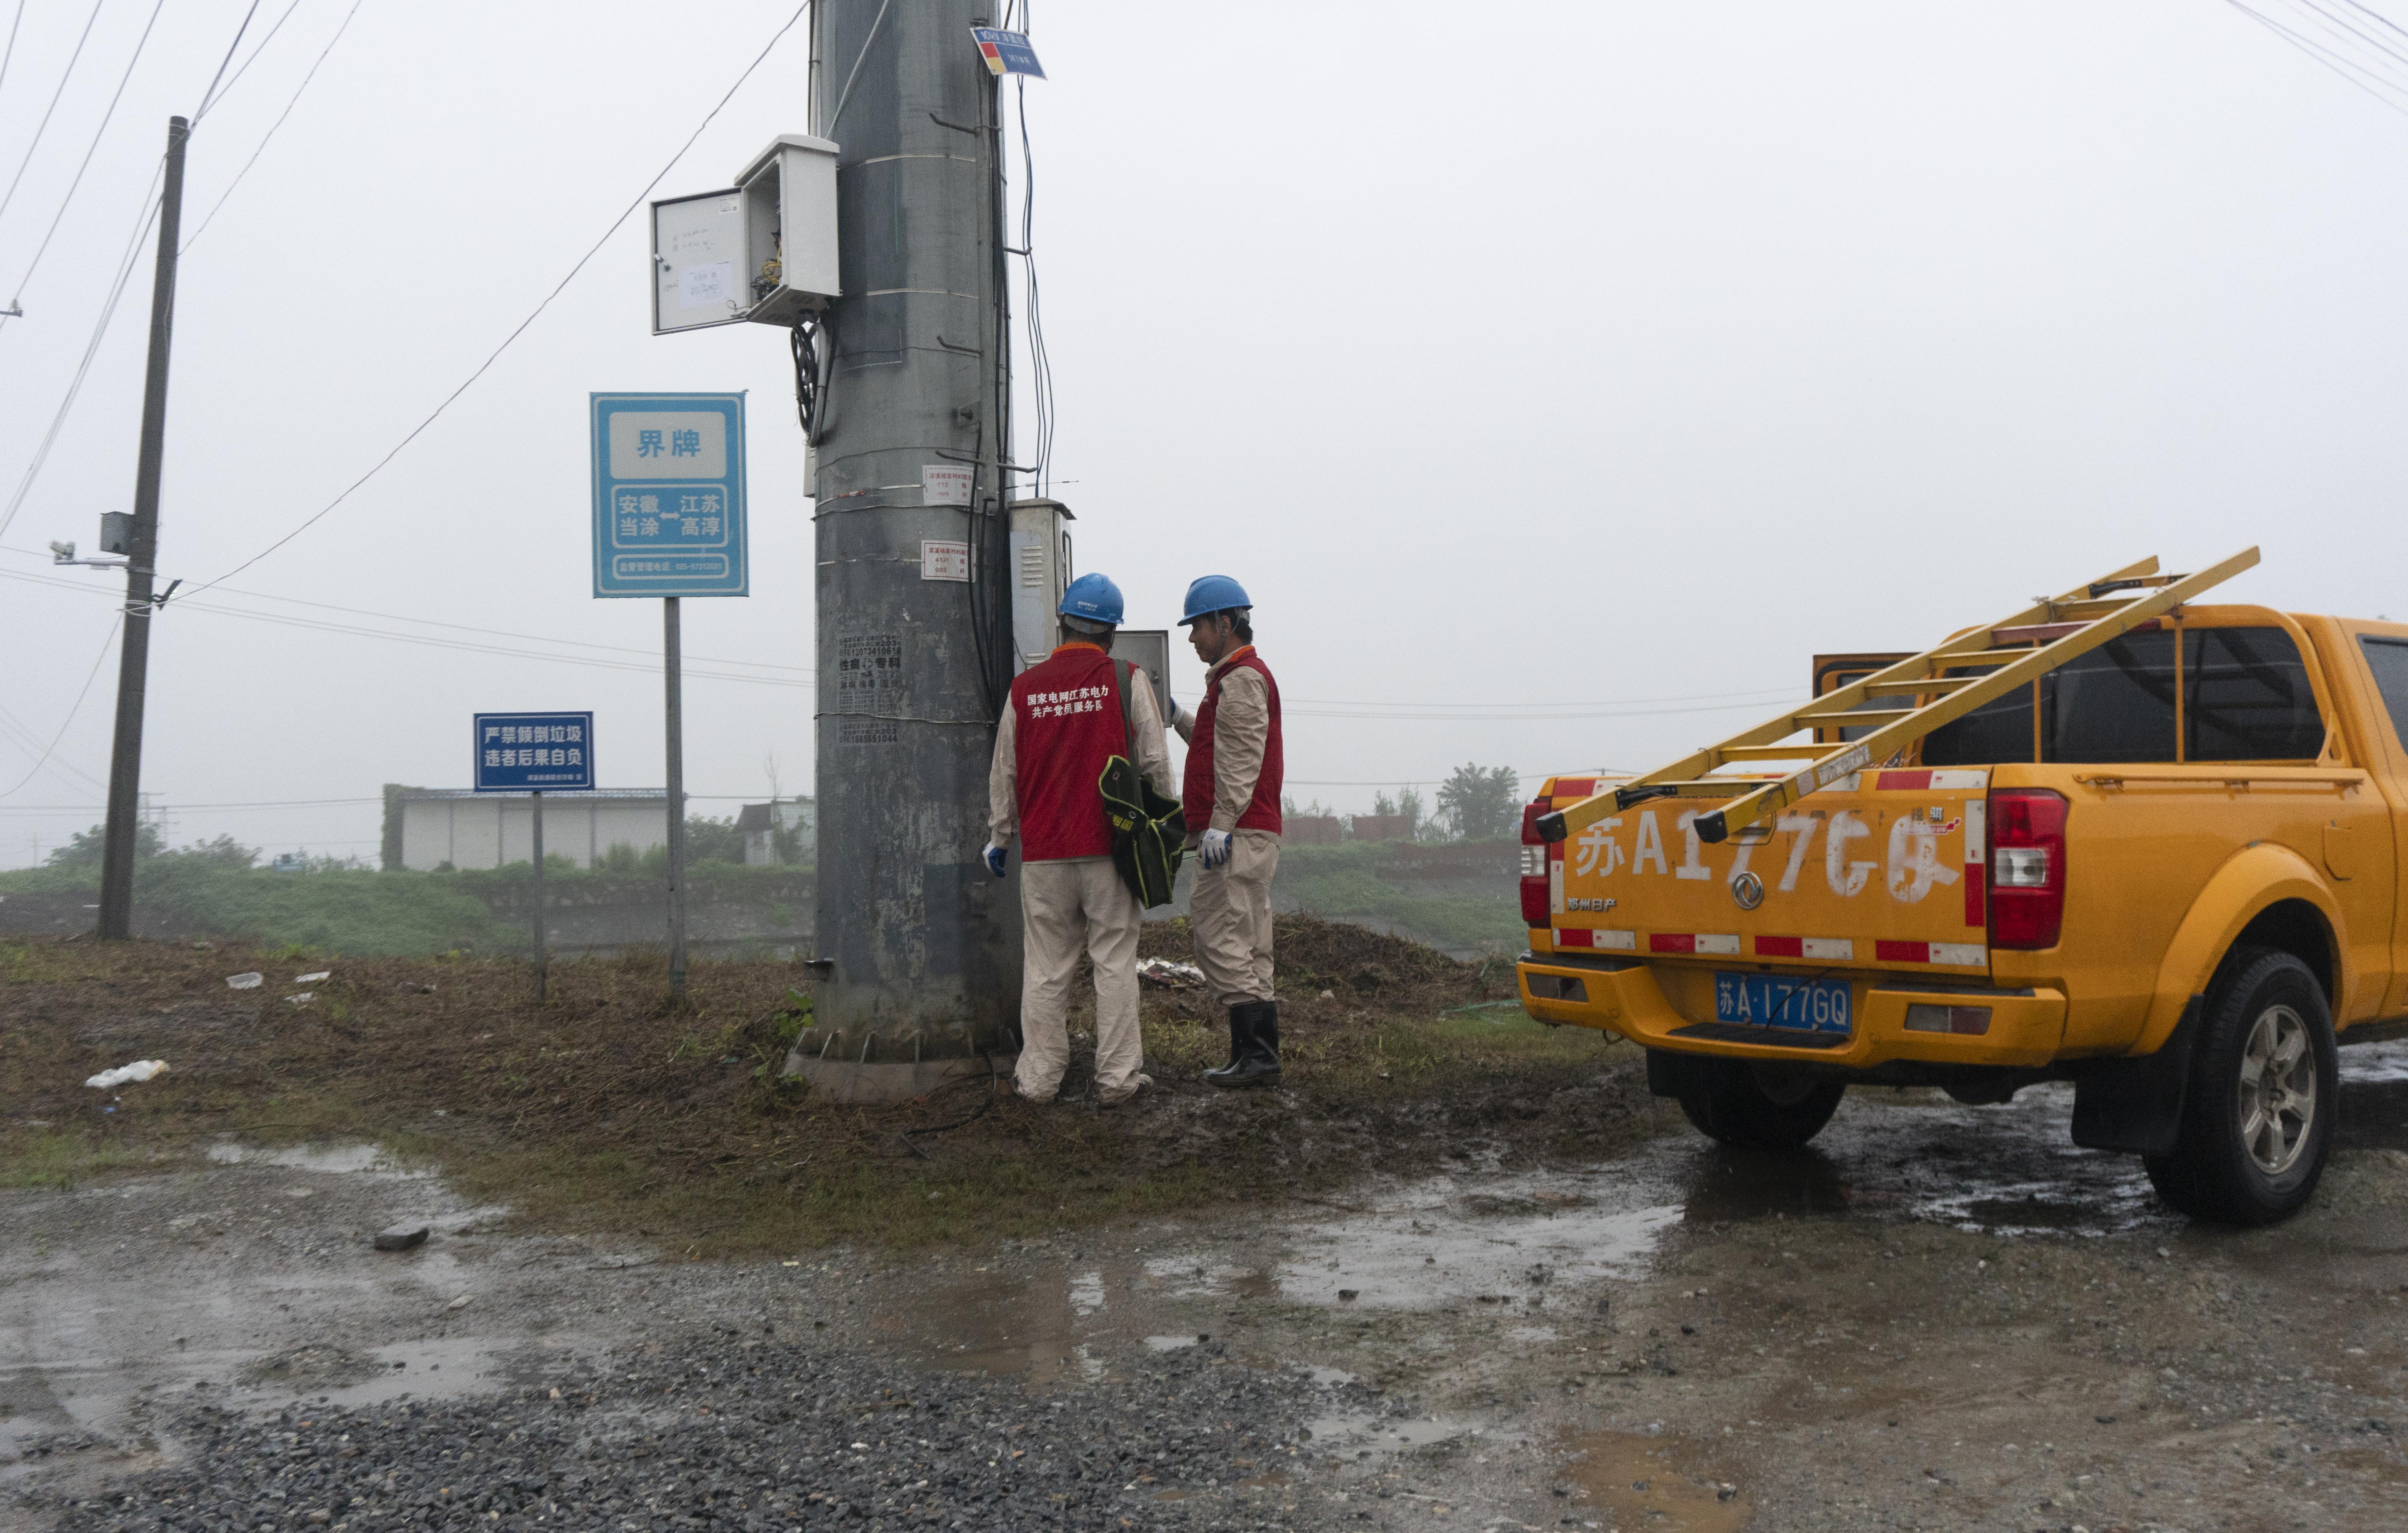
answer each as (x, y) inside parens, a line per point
(1063, 905)
(1229, 910)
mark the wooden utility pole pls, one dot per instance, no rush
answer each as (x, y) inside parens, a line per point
(141, 565)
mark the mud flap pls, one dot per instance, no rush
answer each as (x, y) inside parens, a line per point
(2136, 1105)
(1666, 1072)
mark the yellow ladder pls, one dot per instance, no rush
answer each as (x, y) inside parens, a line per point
(2057, 629)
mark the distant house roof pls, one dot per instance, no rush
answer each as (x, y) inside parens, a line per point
(753, 819)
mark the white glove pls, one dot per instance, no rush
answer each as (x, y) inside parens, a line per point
(1214, 849)
(994, 855)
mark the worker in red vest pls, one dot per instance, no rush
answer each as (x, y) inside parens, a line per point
(1232, 809)
(1068, 716)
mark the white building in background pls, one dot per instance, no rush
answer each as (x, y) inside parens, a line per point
(758, 823)
(469, 829)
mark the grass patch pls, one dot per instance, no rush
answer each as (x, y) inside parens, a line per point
(37, 1156)
(600, 1111)
(1343, 884)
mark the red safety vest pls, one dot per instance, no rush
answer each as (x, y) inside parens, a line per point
(1069, 725)
(1263, 813)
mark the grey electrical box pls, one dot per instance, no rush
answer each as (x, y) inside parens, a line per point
(1040, 567)
(764, 250)
(117, 531)
(1150, 649)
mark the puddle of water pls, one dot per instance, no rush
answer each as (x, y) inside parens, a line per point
(2009, 1170)
(1503, 1244)
(1368, 1432)
(1040, 1326)
(339, 1159)
(2374, 1063)
(2374, 1097)
(1629, 1481)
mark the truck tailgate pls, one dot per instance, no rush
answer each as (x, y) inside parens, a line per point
(1880, 870)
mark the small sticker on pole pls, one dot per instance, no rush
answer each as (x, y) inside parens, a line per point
(1007, 53)
(944, 561)
(943, 484)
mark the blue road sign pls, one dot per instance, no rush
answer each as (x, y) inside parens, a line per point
(534, 752)
(669, 495)
(1007, 53)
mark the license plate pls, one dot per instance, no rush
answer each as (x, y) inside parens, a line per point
(1776, 1000)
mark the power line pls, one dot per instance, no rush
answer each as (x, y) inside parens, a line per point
(10, 51)
(22, 736)
(651, 666)
(209, 96)
(91, 349)
(506, 340)
(260, 48)
(279, 117)
(36, 140)
(78, 706)
(2365, 79)
(60, 217)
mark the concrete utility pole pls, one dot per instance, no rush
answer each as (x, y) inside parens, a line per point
(141, 565)
(921, 944)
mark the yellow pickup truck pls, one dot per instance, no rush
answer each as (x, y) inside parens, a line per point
(2123, 839)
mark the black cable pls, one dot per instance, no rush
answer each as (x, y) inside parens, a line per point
(209, 96)
(992, 1077)
(2357, 74)
(91, 349)
(36, 141)
(10, 51)
(1041, 367)
(483, 367)
(262, 148)
(256, 52)
(60, 217)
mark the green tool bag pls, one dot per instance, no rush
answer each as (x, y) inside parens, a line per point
(1149, 831)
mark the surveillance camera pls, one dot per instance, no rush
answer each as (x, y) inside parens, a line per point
(64, 550)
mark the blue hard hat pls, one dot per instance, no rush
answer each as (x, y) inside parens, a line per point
(1094, 597)
(1212, 593)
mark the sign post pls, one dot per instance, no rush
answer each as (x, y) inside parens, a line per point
(527, 753)
(669, 521)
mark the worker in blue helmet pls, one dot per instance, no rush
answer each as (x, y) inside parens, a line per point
(1065, 718)
(1234, 772)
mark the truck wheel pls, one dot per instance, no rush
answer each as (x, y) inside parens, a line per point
(2265, 1082)
(1759, 1108)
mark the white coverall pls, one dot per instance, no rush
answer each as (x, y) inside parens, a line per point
(1064, 901)
(1229, 906)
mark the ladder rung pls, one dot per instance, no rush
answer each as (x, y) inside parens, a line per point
(2083, 612)
(1807, 751)
(1854, 716)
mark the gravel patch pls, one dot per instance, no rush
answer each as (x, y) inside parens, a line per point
(728, 1433)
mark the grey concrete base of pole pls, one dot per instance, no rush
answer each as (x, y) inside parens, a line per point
(540, 975)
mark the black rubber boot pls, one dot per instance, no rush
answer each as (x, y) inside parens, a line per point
(1261, 1064)
(1241, 1041)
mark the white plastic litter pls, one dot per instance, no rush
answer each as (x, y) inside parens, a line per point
(245, 981)
(1170, 976)
(141, 1070)
(313, 979)
(302, 999)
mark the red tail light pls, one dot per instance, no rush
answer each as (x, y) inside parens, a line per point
(2027, 868)
(1538, 906)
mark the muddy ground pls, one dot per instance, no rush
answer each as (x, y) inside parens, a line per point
(1938, 1317)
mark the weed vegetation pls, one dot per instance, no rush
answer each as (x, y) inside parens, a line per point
(605, 1110)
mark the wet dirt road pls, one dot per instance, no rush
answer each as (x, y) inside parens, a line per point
(1941, 1317)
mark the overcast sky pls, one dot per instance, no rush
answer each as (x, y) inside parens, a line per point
(1589, 366)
